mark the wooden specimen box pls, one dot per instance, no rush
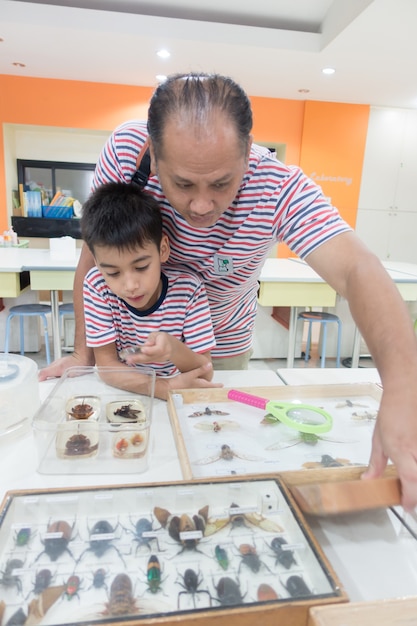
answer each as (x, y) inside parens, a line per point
(217, 436)
(212, 552)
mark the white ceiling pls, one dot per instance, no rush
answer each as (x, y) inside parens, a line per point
(273, 48)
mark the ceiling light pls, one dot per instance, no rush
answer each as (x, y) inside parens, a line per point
(163, 54)
(328, 70)
(160, 78)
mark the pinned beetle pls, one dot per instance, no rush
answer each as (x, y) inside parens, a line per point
(56, 540)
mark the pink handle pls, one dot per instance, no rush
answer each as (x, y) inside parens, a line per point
(247, 398)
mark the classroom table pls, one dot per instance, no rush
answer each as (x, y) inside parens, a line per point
(289, 283)
(47, 271)
(293, 283)
(373, 553)
(405, 277)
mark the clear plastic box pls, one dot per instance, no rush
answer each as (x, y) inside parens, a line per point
(90, 425)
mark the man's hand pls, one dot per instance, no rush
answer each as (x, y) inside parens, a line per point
(188, 380)
(58, 367)
(395, 438)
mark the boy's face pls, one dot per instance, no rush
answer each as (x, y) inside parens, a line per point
(134, 275)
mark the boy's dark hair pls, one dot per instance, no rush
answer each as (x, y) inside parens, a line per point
(121, 215)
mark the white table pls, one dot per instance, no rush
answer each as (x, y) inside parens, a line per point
(47, 272)
(331, 375)
(372, 553)
(292, 283)
(404, 276)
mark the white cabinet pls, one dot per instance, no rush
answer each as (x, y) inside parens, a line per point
(387, 212)
(389, 234)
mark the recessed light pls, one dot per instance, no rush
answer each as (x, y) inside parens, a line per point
(161, 78)
(328, 70)
(163, 54)
(304, 91)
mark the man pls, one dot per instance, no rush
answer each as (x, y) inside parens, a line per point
(225, 202)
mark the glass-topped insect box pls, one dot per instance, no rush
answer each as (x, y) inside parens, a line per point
(224, 432)
(223, 552)
(89, 423)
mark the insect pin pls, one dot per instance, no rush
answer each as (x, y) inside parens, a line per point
(190, 581)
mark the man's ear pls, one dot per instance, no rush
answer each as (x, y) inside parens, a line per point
(153, 159)
(164, 249)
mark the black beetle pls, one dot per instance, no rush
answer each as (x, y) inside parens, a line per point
(17, 619)
(297, 587)
(8, 578)
(42, 581)
(56, 540)
(101, 537)
(99, 579)
(228, 592)
(190, 582)
(282, 556)
(250, 558)
(143, 534)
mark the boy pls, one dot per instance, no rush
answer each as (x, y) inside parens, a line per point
(130, 303)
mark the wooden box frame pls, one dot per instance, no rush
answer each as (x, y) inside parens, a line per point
(289, 611)
(189, 397)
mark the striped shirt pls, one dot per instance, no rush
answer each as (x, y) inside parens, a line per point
(182, 310)
(274, 203)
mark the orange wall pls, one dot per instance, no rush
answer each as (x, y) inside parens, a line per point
(332, 151)
(322, 137)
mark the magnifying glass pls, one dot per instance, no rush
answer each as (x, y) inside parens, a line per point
(306, 418)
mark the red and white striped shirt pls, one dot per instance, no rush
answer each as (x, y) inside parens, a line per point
(182, 310)
(275, 202)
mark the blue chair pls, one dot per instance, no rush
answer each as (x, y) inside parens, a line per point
(322, 318)
(28, 310)
(65, 309)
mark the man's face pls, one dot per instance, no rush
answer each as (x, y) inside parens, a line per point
(201, 169)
